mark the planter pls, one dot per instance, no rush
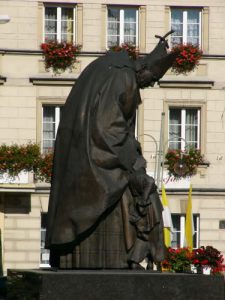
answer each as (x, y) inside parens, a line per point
(21, 178)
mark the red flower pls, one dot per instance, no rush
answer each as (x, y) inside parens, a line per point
(187, 60)
(59, 56)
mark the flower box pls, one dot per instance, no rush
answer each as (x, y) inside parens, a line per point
(21, 178)
(182, 164)
(188, 57)
(59, 56)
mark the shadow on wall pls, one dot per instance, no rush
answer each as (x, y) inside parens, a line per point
(16, 203)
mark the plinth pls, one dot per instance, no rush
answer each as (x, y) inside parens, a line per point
(112, 285)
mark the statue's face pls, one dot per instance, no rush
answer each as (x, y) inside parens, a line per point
(145, 78)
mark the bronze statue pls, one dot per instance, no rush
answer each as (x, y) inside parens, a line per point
(104, 210)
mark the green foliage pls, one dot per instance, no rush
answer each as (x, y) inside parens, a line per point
(181, 259)
(16, 158)
(178, 260)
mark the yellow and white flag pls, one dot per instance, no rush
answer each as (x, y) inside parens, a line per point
(189, 224)
(167, 219)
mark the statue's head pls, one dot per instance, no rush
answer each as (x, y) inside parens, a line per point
(153, 66)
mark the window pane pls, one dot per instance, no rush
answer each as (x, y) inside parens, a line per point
(183, 127)
(48, 145)
(177, 26)
(48, 127)
(113, 41)
(130, 15)
(192, 116)
(175, 132)
(176, 40)
(191, 128)
(130, 40)
(178, 231)
(113, 26)
(130, 29)
(175, 129)
(193, 40)
(49, 113)
(193, 16)
(130, 26)
(175, 243)
(67, 25)
(175, 116)
(50, 13)
(113, 14)
(44, 253)
(177, 16)
(193, 31)
(50, 23)
(119, 18)
(185, 32)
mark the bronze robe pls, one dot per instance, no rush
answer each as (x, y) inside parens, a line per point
(95, 158)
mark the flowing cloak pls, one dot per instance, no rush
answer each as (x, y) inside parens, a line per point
(95, 148)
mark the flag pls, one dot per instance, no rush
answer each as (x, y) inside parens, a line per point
(189, 224)
(167, 220)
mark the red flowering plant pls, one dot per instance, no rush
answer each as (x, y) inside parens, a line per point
(208, 256)
(132, 50)
(17, 158)
(178, 260)
(187, 59)
(44, 169)
(183, 163)
(59, 56)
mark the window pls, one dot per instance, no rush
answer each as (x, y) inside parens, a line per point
(187, 26)
(59, 23)
(184, 128)
(122, 26)
(44, 258)
(50, 121)
(178, 239)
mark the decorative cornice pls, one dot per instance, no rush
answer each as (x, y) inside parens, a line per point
(89, 53)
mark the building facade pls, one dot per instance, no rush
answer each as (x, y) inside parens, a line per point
(194, 106)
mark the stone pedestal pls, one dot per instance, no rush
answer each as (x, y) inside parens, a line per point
(112, 285)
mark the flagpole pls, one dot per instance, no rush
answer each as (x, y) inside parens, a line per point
(189, 221)
(160, 152)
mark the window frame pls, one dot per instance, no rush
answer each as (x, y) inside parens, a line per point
(182, 229)
(42, 101)
(186, 103)
(42, 246)
(57, 120)
(185, 23)
(182, 138)
(121, 33)
(58, 20)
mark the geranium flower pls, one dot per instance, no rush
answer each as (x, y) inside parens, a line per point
(187, 60)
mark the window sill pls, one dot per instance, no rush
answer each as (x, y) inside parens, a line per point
(47, 81)
(186, 83)
(2, 80)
